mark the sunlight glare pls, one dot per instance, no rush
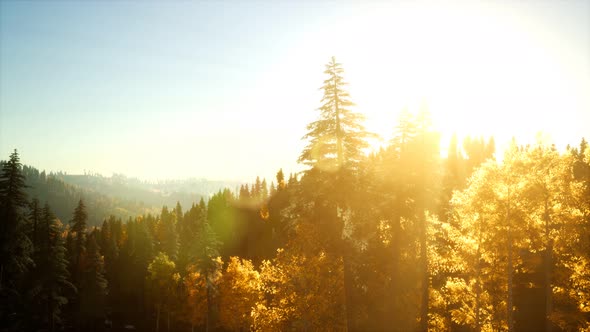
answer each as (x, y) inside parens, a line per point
(481, 72)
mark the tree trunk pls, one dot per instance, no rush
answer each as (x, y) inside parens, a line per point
(347, 293)
(51, 317)
(158, 318)
(425, 274)
(548, 291)
(509, 306)
(422, 200)
(168, 321)
(396, 276)
(208, 318)
(548, 270)
(478, 280)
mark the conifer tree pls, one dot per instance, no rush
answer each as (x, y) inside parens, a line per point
(167, 234)
(191, 224)
(338, 137)
(34, 223)
(93, 286)
(264, 190)
(334, 151)
(280, 180)
(52, 269)
(207, 262)
(178, 212)
(15, 246)
(78, 249)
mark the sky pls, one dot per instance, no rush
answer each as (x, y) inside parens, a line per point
(225, 89)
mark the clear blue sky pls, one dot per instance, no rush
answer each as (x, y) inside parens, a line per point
(224, 89)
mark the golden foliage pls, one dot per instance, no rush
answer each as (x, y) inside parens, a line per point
(239, 290)
(303, 288)
(196, 284)
(196, 302)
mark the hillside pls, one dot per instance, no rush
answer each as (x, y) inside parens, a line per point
(118, 195)
(155, 194)
(64, 197)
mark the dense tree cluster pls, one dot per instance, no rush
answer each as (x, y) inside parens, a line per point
(401, 239)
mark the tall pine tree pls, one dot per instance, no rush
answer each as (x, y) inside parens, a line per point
(15, 246)
(338, 137)
(93, 286)
(51, 270)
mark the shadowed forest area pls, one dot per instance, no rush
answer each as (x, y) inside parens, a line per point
(400, 238)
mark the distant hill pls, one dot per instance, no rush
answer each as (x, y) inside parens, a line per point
(116, 195)
(150, 193)
(63, 198)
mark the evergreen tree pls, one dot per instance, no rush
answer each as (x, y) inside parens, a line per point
(52, 270)
(93, 286)
(280, 180)
(78, 230)
(337, 138)
(190, 229)
(167, 234)
(178, 212)
(257, 190)
(34, 223)
(264, 190)
(16, 248)
(207, 262)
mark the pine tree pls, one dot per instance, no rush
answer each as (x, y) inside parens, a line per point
(404, 133)
(167, 234)
(189, 234)
(16, 248)
(407, 181)
(178, 212)
(52, 269)
(280, 180)
(334, 151)
(207, 263)
(257, 190)
(264, 190)
(337, 138)
(93, 286)
(34, 223)
(78, 249)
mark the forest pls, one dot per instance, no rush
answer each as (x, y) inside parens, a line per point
(398, 239)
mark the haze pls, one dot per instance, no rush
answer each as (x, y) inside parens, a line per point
(225, 90)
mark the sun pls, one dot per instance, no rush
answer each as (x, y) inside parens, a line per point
(493, 79)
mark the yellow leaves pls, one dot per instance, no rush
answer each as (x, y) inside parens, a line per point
(196, 283)
(239, 290)
(196, 286)
(303, 288)
(384, 229)
(456, 301)
(267, 318)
